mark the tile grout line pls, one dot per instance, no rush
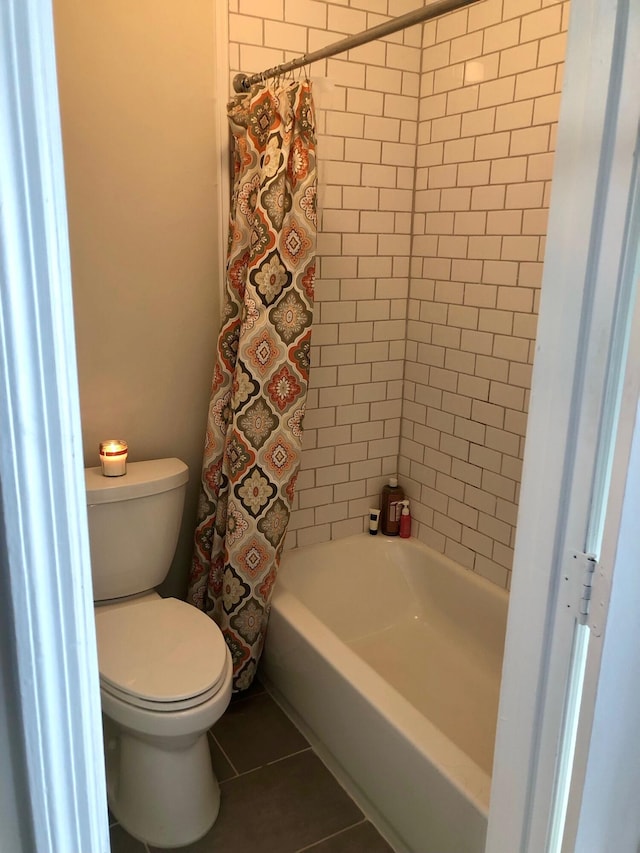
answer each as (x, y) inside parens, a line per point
(219, 745)
(267, 764)
(329, 837)
(308, 748)
(117, 823)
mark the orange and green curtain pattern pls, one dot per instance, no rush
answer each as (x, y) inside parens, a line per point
(254, 429)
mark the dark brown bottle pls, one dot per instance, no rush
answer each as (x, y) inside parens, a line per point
(391, 508)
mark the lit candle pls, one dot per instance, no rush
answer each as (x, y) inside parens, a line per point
(113, 457)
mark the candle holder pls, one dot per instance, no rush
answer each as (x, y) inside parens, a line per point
(113, 457)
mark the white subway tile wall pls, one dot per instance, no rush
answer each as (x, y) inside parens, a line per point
(489, 100)
(435, 155)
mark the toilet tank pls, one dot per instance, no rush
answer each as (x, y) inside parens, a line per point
(134, 522)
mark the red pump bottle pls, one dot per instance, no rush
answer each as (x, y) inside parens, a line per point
(405, 521)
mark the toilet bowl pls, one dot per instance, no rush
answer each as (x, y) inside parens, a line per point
(165, 678)
(165, 669)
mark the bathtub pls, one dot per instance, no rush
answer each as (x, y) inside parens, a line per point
(388, 656)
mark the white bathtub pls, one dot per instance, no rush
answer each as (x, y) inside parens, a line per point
(389, 657)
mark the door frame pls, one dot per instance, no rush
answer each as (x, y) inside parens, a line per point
(580, 372)
(54, 689)
(54, 798)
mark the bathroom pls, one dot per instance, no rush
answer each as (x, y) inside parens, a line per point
(449, 307)
(160, 180)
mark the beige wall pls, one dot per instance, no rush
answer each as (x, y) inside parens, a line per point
(136, 89)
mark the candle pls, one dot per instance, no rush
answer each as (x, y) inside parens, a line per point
(113, 457)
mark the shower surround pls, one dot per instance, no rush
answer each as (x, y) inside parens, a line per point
(435, 156)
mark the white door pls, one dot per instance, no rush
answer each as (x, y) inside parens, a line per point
(573, 502)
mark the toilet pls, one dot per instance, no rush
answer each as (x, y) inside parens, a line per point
(165, 669)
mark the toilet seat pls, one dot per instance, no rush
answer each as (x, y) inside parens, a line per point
(161, 654)
(158, 704)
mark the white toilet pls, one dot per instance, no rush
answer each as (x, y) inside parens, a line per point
(165, 669)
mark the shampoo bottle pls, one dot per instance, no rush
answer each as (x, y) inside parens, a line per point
(390, 508)
(405, 521)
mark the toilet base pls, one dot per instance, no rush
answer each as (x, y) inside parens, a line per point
(162, 791)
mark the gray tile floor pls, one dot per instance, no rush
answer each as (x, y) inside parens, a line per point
(276, 795)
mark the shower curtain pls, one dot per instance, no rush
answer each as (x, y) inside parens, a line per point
(254, 428)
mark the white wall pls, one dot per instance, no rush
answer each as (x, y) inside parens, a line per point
(435, 149)
(367, 111)
(490, 96)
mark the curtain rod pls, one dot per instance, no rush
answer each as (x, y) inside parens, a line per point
(243, 82)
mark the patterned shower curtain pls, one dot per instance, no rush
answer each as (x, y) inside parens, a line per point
(254, 429)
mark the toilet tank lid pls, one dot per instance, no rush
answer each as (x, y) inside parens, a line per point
(142, 478)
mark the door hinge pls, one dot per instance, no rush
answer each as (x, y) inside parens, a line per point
(583, 571)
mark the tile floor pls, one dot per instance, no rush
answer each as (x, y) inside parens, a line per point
(277, 796)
